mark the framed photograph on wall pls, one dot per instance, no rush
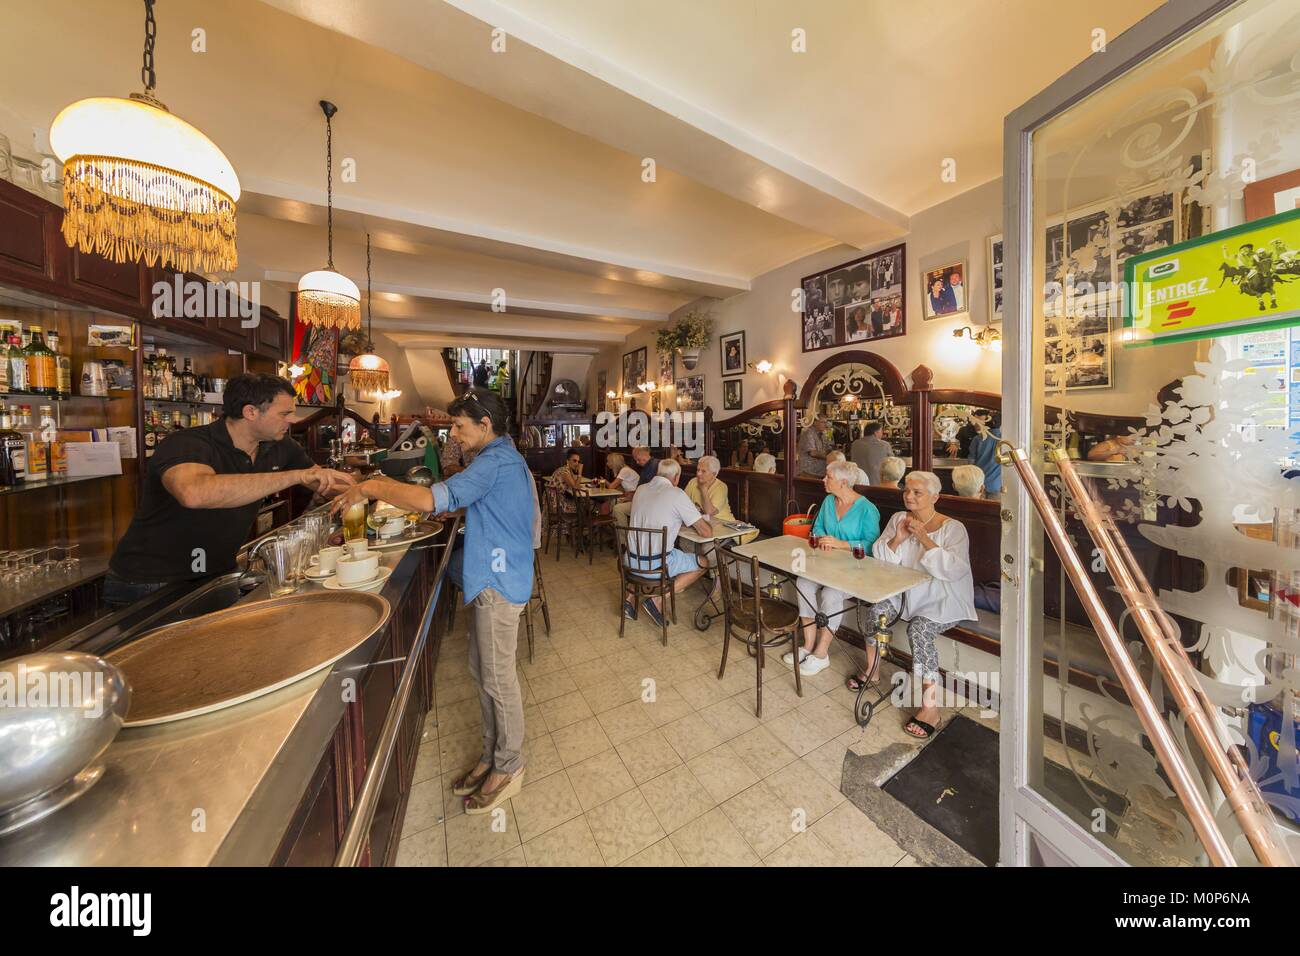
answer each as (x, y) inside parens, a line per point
(667, 368)
(690, 394)
(633, 368)
(602, 386)
(732, 349)
(1268, 197)
(856, 302)
(943, 291)
(732, 393)
(994, 259)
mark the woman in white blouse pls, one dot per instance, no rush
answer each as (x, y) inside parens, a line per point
(925, 540)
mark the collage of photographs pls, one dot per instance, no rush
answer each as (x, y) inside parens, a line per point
(855, 302)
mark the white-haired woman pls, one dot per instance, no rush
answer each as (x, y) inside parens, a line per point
(923, 539)
(891, 471)
(861, 477)
(968, 480)
(845, 519)
(708, 492)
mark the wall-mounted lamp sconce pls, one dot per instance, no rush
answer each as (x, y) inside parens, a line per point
(611, 394)
(986, 338)
(647, 386)
(762, 367)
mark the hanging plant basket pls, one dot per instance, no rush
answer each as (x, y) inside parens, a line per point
(690, 358)
(688, 335)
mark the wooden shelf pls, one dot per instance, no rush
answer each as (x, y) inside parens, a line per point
(44, 483)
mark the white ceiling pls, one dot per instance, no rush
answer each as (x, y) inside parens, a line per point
(522, 170)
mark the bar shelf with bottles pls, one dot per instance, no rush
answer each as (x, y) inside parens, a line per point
(849, 414)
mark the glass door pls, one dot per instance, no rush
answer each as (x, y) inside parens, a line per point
(1158, 425)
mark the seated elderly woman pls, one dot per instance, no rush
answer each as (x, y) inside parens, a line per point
(969, 481)
(764, 461)
(566, 478)
(861, 476)
(844, 520)
(891, 471)
(625, 478)
(925, 540)
(709, 493)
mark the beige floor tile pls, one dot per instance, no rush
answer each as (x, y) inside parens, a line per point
(473, 840)
(729, 718)
(579, 741)
(662, 853)
(649, 755)
(534, 722)
(722, 773)
(592, 672)
(426, 848)
(802, 788)
(578, 653)
(805, 850)
(452, 805)
(612, 693)
(909, 860)
(627, 662)
(624, 826)
(512, 857)
(690, 736)
(855, 839)
(762, 818)
(549, 686)
(626, 721)
(461, 689)
(545, 804)
(540, 758)
(677, 798)
(428, 762)
(570, 844)
(542, 664)
(560, 712)
(462, 715)
(762, 751)
(797, 732)
(827, 715)
(701, 691)
(423, 806)
(828, 760)
(667, 706)
(712, 840)
(599, 779)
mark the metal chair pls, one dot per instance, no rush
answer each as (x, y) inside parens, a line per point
(537, 599)
(759, 622)
(558, 521)
(597, 525)
(643, 582)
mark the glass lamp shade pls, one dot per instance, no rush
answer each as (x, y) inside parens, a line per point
(368, 372)
(329, 299)
(142, 184)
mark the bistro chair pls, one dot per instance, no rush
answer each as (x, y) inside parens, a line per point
(759, 623)
(538, 599)
(599, 526)
(557, 521)
(642, 582)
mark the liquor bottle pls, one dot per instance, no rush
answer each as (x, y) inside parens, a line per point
(38, 452)
(190, 384)
(176, 421)
(4, 365)
(62, 367)
(164, 384)
(42, 371)
(150, 433)
(17, 365)
(57, 461)
(13, 451)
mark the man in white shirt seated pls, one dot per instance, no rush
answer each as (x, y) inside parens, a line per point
(659, 503)
(861, 479)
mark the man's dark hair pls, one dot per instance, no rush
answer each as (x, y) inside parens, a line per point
(871, 428)
(257, 389)
(571, 452)
(480, 403)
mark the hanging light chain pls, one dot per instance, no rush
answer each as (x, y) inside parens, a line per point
(147, 76)
(370, 316)
(329, 187)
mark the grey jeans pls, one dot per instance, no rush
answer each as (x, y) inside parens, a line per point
(493, 636)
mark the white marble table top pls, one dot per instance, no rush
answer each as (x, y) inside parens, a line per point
(869, 579)
(721, 532)
(599, 492)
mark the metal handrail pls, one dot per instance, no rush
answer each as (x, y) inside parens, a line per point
(1161, 638)
(357, 833)
(1162, 739)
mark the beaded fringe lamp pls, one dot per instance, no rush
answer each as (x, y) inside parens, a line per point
(368, 372)
(325, 297)
(140, 184)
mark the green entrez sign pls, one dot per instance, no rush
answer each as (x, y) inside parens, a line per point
(1237, 280)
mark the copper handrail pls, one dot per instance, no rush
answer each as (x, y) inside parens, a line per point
(1161, 638)
(1162, 739)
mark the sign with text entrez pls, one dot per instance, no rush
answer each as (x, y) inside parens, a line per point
(1231, 281)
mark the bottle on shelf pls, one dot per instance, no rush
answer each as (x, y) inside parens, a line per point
(150, 432)
(37, 450)
(57, 449)
(42, 370)
(13, 451)
(17, 364)
(62, 366)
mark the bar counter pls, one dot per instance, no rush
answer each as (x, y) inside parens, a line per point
(270, 781)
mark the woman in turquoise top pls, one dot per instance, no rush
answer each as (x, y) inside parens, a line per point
(844, 519)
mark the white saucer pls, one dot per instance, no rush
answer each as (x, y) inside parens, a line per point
(377, 581)
(315, 574)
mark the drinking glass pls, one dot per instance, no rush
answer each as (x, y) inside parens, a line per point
(317, 527)
(813, 541)
(279, 554)
(859, 551)
(71, 563)
(354, 522)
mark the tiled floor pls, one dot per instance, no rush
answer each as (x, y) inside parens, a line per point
(638, 755)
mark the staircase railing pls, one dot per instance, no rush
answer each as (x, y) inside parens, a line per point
(1160, 636)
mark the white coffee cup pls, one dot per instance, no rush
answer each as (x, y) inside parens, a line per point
(358, 569)
(395, 526)
(327, 560)
(357, 548)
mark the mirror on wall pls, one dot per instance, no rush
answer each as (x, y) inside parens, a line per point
(740, 445)
(851, 396)
(952, 430)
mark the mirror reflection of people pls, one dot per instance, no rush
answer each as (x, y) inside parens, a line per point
(959, 447)
(764, 461)
(813, 447)
(869, 451)
(892, 470)
(860, 476)
(743, 456)
(1111, 449)
(984, 452)
(845, 519)
(968, 480)
(922, 539)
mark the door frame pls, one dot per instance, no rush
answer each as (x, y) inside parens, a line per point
(1032, 831)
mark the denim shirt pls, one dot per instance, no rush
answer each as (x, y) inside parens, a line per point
(984, 453)
(500, 503)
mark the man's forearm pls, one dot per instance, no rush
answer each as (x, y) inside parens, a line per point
(233, 491)
(399, 493)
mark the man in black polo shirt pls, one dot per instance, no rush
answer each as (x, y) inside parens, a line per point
(204, 487)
